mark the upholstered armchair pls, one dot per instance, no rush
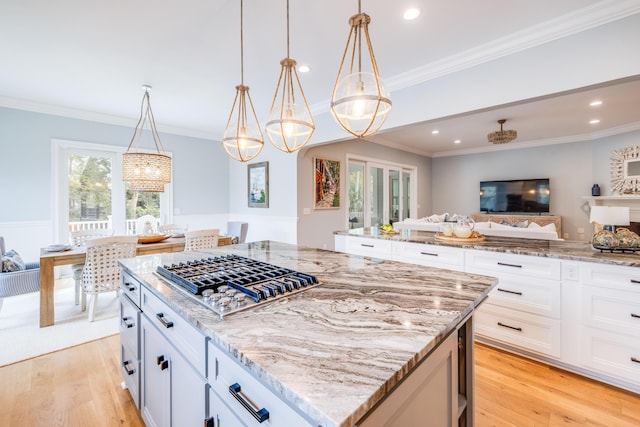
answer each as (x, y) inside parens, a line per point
(18, 282)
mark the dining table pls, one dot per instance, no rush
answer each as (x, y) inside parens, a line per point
(77, 255)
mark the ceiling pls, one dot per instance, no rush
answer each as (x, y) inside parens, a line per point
(90, 59)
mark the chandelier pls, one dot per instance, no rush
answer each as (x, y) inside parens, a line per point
(359, 102)
(146, 172)
(502, 136)
(242, 138)
(290, 124)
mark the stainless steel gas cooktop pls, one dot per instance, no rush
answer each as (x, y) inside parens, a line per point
(230, 283)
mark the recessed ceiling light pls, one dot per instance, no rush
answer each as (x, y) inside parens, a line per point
(304, 69)
(457, 141)
(595, 103)
(411, 13)
(594, 121)
(435, 132)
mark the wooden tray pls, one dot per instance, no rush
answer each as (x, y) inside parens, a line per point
(440, 236)
(152, 238)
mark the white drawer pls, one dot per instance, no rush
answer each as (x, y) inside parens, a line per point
(130, 324)
(514, 328)
(177, 330)
(535, 296)
(377, 248)
(493, 263)
(429, 255)
(617, 355)
(611, 276)
(225, 371)
(131, 288)
(130, 370)
(611, 309)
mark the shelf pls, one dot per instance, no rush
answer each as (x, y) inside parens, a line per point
(629, 197)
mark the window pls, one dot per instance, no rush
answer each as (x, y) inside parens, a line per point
(89, 191)
(379, 193)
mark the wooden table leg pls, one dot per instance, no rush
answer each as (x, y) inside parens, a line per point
(46, 292)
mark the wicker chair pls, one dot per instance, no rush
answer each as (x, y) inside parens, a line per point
(101, 271)
(79, 238)
(201, 239)
(237, 231)
(18, 282)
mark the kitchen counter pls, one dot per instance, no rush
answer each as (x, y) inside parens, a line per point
(561, 249)
(335, 350)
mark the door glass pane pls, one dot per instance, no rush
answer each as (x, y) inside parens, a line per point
(376, 194)
(394, 196)
(89, 180)
(406, 195)
(140, 204)
(356, 195)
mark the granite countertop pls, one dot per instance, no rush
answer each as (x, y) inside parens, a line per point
(337, 349)
(561, 249)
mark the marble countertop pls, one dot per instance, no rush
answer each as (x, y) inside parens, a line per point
(337, 349)
(562, 249)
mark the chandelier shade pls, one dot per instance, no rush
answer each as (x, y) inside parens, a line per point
(360, 102)
(146, 172)
(502, 136)
(290, 123)
(243, 139)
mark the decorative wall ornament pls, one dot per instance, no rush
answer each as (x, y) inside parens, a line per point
(326, 184)
(625, 170)
(258, 185)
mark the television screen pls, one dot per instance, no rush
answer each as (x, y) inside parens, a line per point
(515, 196)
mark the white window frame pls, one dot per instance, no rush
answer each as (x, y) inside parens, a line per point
(60, 151)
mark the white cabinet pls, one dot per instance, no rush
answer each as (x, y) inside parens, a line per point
(376, 248)
(429, 255)
(240, 393)
(130, 346)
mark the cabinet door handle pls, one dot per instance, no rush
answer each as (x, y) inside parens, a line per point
(637, 316)
(515, 328)
(166, 323)
(509, 292)
(209, 422)
(428, 253)
(162, 362)
(130, 287)
(635, 281)
(633, 359)
(125, 320)
(159, 360)
(366, 246)
(509, 265)
(260, 415)
(127, 370)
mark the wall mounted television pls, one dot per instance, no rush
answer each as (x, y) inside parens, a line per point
(515, 196)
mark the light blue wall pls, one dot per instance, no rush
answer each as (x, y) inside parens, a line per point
(200, 174)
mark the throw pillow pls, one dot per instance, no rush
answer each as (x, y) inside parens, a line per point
(522, 224)
(11, 261)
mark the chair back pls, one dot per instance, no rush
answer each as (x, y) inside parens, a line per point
(2, 247)
(101, 271)
(237, 229)
(80, 237)
(142, 220)
(201, 239)
(172, 229)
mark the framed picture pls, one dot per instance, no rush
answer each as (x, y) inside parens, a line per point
(326, 184)
(258, 185)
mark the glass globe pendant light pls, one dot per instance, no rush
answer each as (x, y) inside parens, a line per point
(290, 124)
(360, 103)
(242, 138)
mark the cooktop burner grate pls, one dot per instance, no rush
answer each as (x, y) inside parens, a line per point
(230, 283)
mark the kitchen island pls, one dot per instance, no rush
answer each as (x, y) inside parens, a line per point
(333, 353)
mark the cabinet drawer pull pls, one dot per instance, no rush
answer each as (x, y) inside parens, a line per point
(166, 323)
(515, 328)
(130, 287)
(127, 370)
(633, 359)
(637, 316)
(635, 281)
(509, 292)
(428, 253)
(260, 415)
(160, 361)
(509, 265)
(126, 320)
(366, 246)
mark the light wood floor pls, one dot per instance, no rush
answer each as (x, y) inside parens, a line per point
(80, 387)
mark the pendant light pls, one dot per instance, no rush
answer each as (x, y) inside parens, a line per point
(360, 102)
(502, 136)
(243, 138)
(290, 124)
(146, 172)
